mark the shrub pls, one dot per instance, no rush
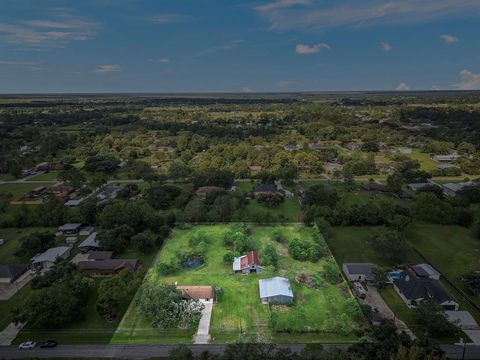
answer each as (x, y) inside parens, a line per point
(167, 268)
(304, 250)
(228, 257)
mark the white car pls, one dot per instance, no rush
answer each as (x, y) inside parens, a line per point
(27, 345)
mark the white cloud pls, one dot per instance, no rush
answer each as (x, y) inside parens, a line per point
(15, 62)
(304, 49)
(103, 69)
(284, 83)
(169, 18)
(470, 81)
(246, 89)
(328, 14)
(386, 46)
(228, 46)
(403, 87)
(436, 87)
(281, 4)
(164, 60)
(449, 39)
(58, 31)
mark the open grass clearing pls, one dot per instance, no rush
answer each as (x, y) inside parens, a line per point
(18, 189)
(239, 312)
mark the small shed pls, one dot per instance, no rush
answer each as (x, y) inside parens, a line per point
(276, 290)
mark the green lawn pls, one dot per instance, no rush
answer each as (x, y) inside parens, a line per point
(6, 306)
(18, 189)
(48, 176)
(288, 211)
(239, 311)
(12, 237)
(452, 249)
(350, 244)
(426, 162)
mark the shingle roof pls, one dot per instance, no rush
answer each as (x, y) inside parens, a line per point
(69, 227)
(360, 269)
(276, 286)
(196, 292)
(12, 271)
(265, 188)
(414, 288)
(112, 264)
(100, 255)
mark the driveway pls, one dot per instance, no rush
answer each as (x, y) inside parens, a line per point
(375, 300)
(6, 292)
(203, 336)
(9, 334)
(465, 321)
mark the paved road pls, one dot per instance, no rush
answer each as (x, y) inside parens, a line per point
(149, 351)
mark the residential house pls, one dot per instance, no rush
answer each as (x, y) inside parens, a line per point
(109, 192)
(451, 189)
(333, 167)
(73, 203)
(414, 290)
(443, 166)
(100, 255)
(203, 191)
(61, 192)
(11, 272)
(87, 230)
(247, 264)
(91, 243)
(46, 260)
(359, 271)
(255, 169)
(445, 158)
(317, 147)
(108, 267)
(276, 290)
(425, 271)
(270, 189)
(404, 150)
(418, 186)
(69, 229)
(204, 294)
(292, 148)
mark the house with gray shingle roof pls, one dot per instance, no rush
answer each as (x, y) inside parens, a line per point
(414, 290)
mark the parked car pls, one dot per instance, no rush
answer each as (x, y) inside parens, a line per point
(49, 344)
(359, 290)
(27, 345)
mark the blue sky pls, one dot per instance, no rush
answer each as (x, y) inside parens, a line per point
(238, 46)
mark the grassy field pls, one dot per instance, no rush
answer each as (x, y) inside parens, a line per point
(350, 244)
(452, 249)
(288, 211)
(12, 237)
(18, 189)
(426, 162)
(239, 312)
(48, 176)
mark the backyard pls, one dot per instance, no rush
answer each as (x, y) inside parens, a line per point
(239, 311)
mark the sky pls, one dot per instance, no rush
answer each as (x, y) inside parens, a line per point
(82, 46)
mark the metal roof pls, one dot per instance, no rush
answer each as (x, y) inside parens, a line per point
(277, 286)
(90, 241)
(51, 254)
